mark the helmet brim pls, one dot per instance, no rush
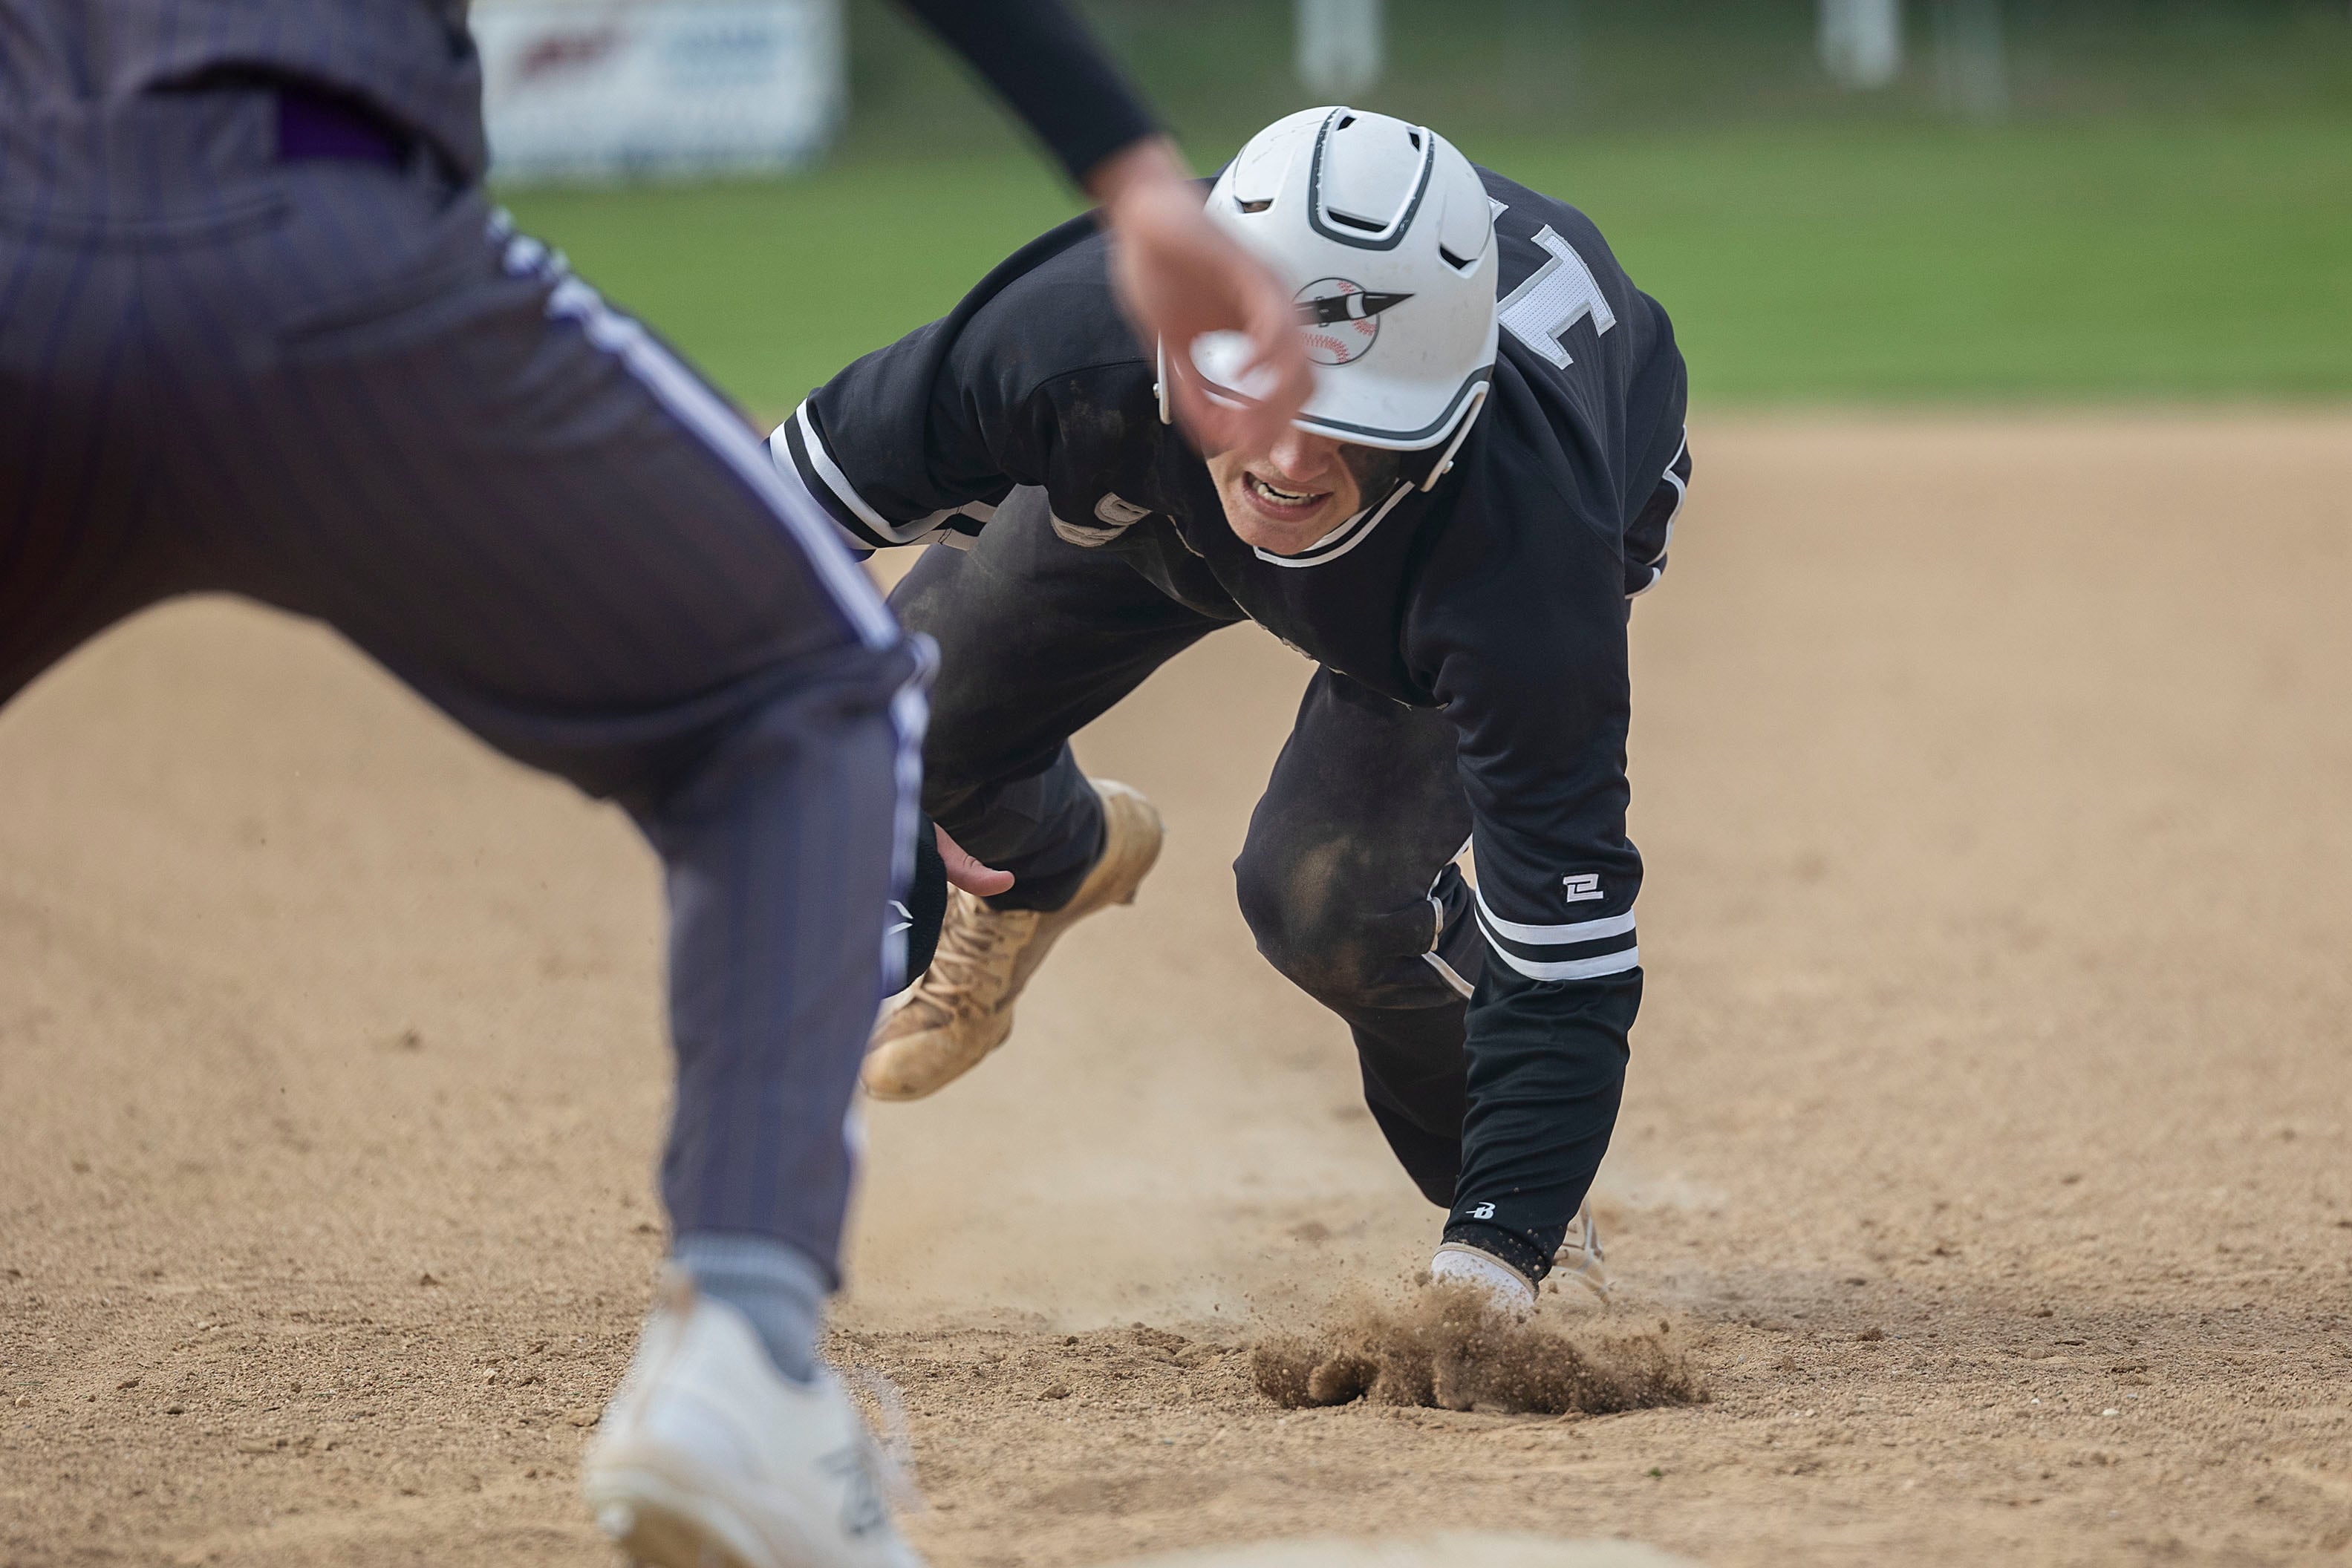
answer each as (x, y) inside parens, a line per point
(1396, 413)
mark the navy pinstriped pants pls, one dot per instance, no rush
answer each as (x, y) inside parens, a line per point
(348, 391)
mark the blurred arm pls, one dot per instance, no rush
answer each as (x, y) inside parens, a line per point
(1178, 274)
(1056, 78)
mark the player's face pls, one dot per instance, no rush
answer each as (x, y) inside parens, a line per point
(1283, 497)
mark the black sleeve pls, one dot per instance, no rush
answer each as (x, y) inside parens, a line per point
(1651, 532)
(1529, 647)
(1054, 75)
(1022, 383)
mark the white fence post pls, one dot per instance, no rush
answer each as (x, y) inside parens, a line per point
(1862, 41)
(1971, 57)
(1339, 45)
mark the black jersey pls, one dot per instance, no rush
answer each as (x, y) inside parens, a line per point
(1499, 597)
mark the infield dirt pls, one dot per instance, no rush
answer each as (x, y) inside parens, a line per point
(1987, 1146)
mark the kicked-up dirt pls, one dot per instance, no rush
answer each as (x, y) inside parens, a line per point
(1987, 1157)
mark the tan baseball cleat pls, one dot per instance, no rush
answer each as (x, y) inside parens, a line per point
(962, 1008)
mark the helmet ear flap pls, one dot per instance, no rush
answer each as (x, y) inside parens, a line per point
(1438, 460)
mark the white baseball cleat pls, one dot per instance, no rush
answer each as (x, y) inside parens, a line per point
(1507, 1290)
(1579, 1257)
(962, 1008)
(710, 1457)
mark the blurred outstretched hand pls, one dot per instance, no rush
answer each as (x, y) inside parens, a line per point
(1179, 275)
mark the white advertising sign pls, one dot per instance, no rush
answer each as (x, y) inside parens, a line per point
(604, 89)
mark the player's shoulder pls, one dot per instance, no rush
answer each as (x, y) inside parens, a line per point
(1595, 353)
(1533, 229)
(1506, 196)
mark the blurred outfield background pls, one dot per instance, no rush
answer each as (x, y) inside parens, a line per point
(2159, 209)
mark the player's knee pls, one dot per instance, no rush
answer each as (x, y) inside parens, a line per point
(1307, 921)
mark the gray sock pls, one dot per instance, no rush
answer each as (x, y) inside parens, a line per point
(775, 1284)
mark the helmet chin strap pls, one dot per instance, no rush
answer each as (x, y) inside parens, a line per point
(1437, 470)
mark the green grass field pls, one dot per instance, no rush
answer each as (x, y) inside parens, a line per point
(2092, 261)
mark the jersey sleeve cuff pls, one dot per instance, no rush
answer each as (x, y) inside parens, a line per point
(1571, 950)
(799, 450)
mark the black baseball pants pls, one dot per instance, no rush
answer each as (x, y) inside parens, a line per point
(1347, 876)
(350, 391)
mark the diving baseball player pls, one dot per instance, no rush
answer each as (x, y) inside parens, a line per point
(1451, 528)
(261, 332)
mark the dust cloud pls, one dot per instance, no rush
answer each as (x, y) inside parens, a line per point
(1445, 1347)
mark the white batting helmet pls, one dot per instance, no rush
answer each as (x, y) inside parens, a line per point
(1384, 231)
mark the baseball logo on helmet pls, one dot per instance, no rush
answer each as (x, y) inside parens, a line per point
(1342, 319)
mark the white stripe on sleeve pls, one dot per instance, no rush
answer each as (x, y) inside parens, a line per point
(838, 482)
(1553, 936)
(1571, 968)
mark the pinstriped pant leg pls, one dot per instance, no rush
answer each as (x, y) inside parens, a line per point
(80, 545)
(377, 411)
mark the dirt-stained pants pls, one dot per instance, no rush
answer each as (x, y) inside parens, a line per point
(1347, 878)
